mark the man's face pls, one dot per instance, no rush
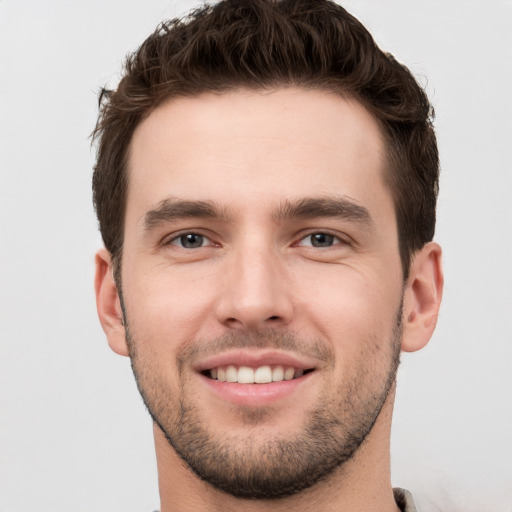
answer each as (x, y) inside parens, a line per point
(261, 244)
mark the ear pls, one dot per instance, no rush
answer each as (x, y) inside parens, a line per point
(108, 303)
(422, 297)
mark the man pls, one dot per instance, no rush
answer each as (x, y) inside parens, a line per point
(266, 183)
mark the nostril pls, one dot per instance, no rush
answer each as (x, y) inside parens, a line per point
(274, 317)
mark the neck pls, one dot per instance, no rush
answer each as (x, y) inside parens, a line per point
(362, 483)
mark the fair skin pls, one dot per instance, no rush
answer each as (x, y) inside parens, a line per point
(259, 233)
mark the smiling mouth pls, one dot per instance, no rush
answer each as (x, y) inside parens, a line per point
(261, 375)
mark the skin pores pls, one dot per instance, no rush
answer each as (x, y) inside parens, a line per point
(259, 233)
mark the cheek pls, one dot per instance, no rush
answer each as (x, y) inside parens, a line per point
(168, 306)
(350, 308)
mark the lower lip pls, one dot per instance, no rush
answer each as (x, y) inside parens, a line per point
(255, 394)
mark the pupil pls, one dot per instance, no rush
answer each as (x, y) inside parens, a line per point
(322, 240)
(192, 241)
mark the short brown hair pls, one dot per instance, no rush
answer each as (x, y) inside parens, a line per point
(261, 44)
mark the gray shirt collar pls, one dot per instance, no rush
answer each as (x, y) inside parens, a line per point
(404, 500)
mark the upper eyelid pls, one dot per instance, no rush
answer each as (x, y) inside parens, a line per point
(171, 237)
(342, 237)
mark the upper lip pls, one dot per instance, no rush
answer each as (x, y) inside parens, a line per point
(255, 359)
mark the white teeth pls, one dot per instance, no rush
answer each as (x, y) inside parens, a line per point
(231, 374)
(245, 375)
(278, 373)
(261, 375)
(289, 373)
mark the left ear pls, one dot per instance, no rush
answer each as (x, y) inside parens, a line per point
(422, 297)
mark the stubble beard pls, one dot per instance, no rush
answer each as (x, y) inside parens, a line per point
(257, 466)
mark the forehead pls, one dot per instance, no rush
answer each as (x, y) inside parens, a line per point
(246, 146)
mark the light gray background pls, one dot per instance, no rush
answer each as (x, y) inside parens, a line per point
(74, 435)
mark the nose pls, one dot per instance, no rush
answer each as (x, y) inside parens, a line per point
(255, 292)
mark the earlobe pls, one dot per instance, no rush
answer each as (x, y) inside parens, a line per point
(422, 297)
(108, 304)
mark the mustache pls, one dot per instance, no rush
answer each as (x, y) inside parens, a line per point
(270, 339)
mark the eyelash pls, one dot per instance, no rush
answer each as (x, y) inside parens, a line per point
(335, 239)
(332, 239)
(177, 238)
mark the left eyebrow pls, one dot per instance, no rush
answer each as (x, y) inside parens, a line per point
(311, 208)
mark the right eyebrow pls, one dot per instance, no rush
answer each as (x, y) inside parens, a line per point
(174, 209)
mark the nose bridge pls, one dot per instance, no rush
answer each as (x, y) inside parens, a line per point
(256, 294)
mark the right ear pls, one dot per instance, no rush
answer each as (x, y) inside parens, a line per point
(108, 303)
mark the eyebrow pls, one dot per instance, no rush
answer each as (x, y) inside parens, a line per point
(175, 209)
(337, 207)
(307, 208)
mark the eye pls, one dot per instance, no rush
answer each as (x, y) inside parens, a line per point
(319, 240)
(191, 241)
